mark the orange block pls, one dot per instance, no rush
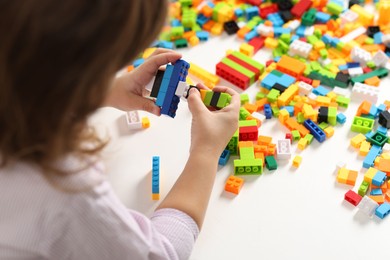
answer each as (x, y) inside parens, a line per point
(207, 11)
(251, 107)
(292, 124)
(374, 81)
(261, 102)
(260, 156)
(315, 83)
(373, 47)
(242, 32)
(291, 66)
(352, 176)
(380, 199)
(245, 144)
(387, 104)
(130, 68)
(188, 35)
(264, 140)
(234, 184)
(207, 26)
(364, 108)
(384, 166)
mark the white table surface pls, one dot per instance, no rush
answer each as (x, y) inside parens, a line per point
(285, 214)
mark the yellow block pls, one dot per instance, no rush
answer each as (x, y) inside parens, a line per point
(288, 95)
(364, 148)
(357, 140)
(247, 49)
(203, 74)
(297, 161)
(323, 101)
(332, 96)
(283, 115)
(271, 43)
(155, 196)
(329, 131)
(148, 52)
(302, 143)
(370, 173)
(366, 18)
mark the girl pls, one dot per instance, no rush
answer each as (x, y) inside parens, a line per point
(57, 65)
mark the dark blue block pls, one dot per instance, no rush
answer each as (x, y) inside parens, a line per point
(317, 132)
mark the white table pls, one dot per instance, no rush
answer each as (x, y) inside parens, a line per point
(285, 214)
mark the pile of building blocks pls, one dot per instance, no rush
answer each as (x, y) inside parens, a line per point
(372, 196)
(320, 49)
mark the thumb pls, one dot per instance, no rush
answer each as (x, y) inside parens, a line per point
(195, 103)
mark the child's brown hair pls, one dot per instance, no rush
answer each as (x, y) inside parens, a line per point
(57, 59)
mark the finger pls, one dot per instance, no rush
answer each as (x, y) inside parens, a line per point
(145, 104)
(235, 101)
(195, 103)
(201, 86)
(148, 69)
(160, 51)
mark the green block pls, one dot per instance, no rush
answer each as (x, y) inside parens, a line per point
(378, 139)
(196, 28)
(295, 135)
(334, 8)
(224, 100)
(315, 65)
(277, 73)
(248, 167)
(332, 116)
(185, 3)
(309, 138)
(270, 163)
(177, 32)
(244, 98)
(362, 125)
(285, 37)
(309, 17)
(208, 97)
(244, 113)
(369, 40)
(165, 36)
(340, 46)
(371, 64)
(318, 33)
(312, 39)
(277, 52)
(343, 101)
(363, 188)
(232, 146)
(260, 95)
(181, 43)
(323, 125)
(242, 123)
(275, 111)
(248, 60)
(380, 73)
(301, 118)
(273, 95)
(239, 68)
(247, 153)
(283, 46)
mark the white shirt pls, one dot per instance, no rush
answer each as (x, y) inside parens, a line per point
(39, 221)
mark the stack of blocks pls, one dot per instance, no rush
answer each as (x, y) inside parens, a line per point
(155, 177)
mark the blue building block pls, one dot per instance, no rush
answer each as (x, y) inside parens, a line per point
(301, 31)
(251, 12)
(322, 17)
(224, 158)
(382, 130)
(376, 192)
(267, 111)
(138, 62)
(381, 108)
(383, 210)
(250, 35)
(341, 118)
(320, 91)
(165, 45)
(343, 67)
(280, 30)
(326, 38)
(378, 38)
(370, 157)
(238, 12)
(201, 20)
(334, 42)
(202, 35)
(171, 101)
(352, 65)
(164, 85)
(290, 110)
(175, 23)
(276, 19)
(374, 111)
(317, 132)
(156, 174)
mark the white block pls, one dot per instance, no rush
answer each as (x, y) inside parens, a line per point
(367, 206)
(341, 91)
(380, 59)
(348, 16)
(362, 92)
(324, 62)
(182, 90)
(133, 120)
(283, 149)
(353, 34)
(386, 38)
(312, 96)
(300, 48)
(259, 116)
(360, 55)
(293, 25)
(309, 31)
(355, 71)
(304, 88)
(386, 148)
(264, 30)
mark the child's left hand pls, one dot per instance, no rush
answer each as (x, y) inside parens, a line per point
(128, 91)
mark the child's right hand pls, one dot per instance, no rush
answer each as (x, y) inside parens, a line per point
(212, 130)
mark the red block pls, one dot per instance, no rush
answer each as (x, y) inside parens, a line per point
(289, 137)
(264, 11)
(254, 2)
(233, 76)
(367, 70)
(306, 80)
(269, 62)
(352, 197)
(301, 7)
(245, 65)
(257, 43)
(248, 133)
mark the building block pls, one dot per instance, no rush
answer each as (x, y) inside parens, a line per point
(297, 161)
(232, 146)
(363, 188)
(346, 176)
(240, 80)
(291, 66)
(283, 149)
(383, 210)
(352, 197)
(203, 74)
(362, 92)
(362, 125)
(301, 7)
(379, 178)
(248, 167)
(318, 134)
(234, 184)
(156, 177)
(384, 119)
(378, 139)
(134, 121)
(367, 206)
(270, 163)
(224, 158)
(372, 154)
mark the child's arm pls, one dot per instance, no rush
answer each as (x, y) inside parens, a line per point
(128, 91)
(210, 133)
